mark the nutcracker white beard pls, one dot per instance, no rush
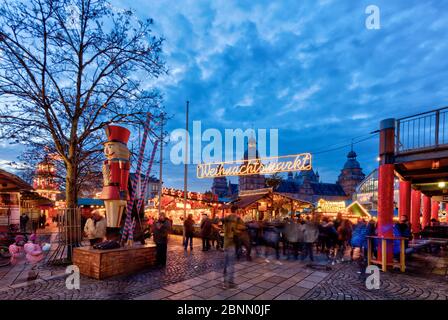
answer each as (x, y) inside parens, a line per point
(114, 212)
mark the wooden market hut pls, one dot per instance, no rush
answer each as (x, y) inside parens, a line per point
(17, 197)
(265, 204)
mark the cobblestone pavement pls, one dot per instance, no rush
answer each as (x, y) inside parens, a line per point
(179, 267)
(346, 284)
(198, 276)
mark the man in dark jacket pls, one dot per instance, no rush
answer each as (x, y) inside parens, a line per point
(160, 231)
(189, 231)
(206, 232)
(23, 222)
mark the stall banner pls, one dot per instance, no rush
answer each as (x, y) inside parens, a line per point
(331, 206)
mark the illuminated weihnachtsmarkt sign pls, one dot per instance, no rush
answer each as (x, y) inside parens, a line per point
(269, 165)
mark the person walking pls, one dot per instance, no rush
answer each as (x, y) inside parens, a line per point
(271, 236)
(310, 235)
(230, 231)
(359, 239)
(189, 231)
(293, 236)
(242, 239)
(215, 237)
(95, 228)
(23, 222)
(160, 230)
(206, 232)
(253, 228)
(344, 236)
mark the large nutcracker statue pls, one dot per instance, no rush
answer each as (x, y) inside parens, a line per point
(116, 174)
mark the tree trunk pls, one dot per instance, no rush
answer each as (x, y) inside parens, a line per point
(71, 223)
(71, 195)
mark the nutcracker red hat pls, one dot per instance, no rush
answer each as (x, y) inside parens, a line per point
(117, 134)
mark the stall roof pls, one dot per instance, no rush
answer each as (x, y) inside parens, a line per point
(37, 198)
(294, 199)
(245, 201)
(7, 177)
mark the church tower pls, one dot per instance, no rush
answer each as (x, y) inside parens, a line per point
(254, 181)
(351, 175)
(220, 187)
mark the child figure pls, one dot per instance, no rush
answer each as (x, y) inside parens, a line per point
(16, 249)
(34, 255)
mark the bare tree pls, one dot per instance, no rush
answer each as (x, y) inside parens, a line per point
(274, 180)
(67, 69)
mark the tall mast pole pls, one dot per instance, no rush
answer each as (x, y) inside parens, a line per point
(186, 162)
(161, 163)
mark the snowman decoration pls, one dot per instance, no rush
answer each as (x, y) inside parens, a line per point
(115, 174)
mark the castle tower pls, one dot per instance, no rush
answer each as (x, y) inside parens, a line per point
(351, 174)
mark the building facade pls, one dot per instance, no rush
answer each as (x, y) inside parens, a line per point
(307, 185)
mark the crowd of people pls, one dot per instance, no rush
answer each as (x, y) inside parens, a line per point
(298, 236)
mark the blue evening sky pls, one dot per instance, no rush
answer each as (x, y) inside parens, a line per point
(308, 68)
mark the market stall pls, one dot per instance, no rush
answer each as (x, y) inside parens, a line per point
(197, 204)
(353, 211)
(265, 204)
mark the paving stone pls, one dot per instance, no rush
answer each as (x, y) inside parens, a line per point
(226, 293)
(177, 287)
(265, 296)
(181, 295)
(192, 297)
(155, 295)
(245, 285)
(211, 275)
(275, 291)
(320, 274)
(286, 284)
(306, 284)
(254, 290)
(241, 296)
(286, 296)
(313, 279)
(276, 279)
(211, 283)
(199, 288)
(209, 292)
(266, 285)
(194, 281)
(297, 291)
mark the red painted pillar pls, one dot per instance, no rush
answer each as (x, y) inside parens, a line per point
(386, 184)
(426, 211)
(416, 196)
(404, 207)
(385, 200)
(435, 210)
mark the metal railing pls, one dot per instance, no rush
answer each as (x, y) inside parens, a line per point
(69, 235)
(422, 131)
